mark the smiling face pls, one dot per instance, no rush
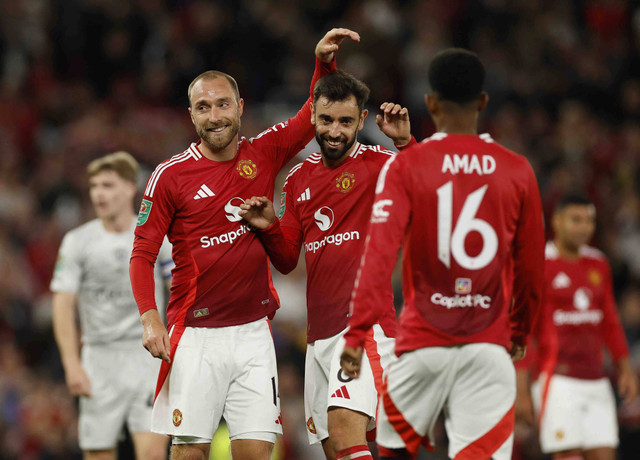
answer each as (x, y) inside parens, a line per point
(111, 195)
(337, 124)
(215, 112)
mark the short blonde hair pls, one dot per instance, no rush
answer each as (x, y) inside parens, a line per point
(121, 162)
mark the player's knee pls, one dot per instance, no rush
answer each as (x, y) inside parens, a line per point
(347, 428)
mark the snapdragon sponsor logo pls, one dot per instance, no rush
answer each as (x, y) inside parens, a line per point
(229, 237)
(462, 301)
(337, 239)
(232, 209)
(562, 317)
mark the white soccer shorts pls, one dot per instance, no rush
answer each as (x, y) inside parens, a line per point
(216, 372)
(576, 413)
(122, 376)
(326, 386)
(474, 384)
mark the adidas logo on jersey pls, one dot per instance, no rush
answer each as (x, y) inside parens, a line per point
(306, 195)
(204, 192)
(561, 281)
(341, 393)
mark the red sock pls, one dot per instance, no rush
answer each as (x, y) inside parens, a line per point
(355, 452)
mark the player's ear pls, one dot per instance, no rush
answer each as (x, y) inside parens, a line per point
(240, 107)
(483, 101)
(191, 115)
(363, 115)
(432, 103)
(313, 113)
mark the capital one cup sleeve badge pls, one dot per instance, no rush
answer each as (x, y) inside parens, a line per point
(177, 417)
(247, 169)
(143, 214)
(345, 181)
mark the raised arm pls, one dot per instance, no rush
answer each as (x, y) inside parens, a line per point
(284, 140)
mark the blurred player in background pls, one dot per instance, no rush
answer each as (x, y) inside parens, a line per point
(325, 205)
(219, 358)
(467, 213)
(574, 399)
(115, 377)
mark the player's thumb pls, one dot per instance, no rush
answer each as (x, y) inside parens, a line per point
(166, 349)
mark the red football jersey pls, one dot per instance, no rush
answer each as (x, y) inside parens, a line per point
(222, 275)
(579, 316)
(468, 213)
(328, 209)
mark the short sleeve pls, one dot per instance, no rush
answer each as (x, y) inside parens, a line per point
(67, 274)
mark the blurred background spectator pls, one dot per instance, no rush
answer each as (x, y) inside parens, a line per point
(80, 78)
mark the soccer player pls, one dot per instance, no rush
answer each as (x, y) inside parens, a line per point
(325, 204)
(115, 377)
(219, 358)
(467, 212)
(575, 401)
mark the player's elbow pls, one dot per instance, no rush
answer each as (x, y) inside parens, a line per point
(284, 266)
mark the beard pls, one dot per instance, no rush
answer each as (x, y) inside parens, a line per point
(334, 153)
(218, 141)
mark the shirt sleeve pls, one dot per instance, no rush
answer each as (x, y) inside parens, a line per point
(284, 140)
(67, 274)
(528, 256)
(283, 239)
(390, 218)
(613, 333)
(155, 215)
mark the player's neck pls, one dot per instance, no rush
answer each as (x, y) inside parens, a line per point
(458, 123)
(119, 223)
(566, 251)
(227, 153)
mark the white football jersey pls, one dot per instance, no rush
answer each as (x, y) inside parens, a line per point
(94, 264)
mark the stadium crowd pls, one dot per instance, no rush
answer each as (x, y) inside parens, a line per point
(82, 78)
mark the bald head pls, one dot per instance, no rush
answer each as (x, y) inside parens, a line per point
(212, 75)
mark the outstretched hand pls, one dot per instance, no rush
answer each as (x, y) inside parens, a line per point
(258, 212)
(330, 43)
(351, 361)
(394, 123)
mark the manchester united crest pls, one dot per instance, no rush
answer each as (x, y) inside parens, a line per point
(177, 417)
(595, 277)
(247, 169)
(311, 426)
(345, 181)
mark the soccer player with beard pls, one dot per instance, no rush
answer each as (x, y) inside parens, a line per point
(219, 358)
(113, 376)
(574, 398)
(467, 213)
(325, 205)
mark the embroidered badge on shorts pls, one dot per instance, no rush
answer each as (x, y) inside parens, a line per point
(247, 169)
(177, 417)
(311, 426)
(345, 181)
